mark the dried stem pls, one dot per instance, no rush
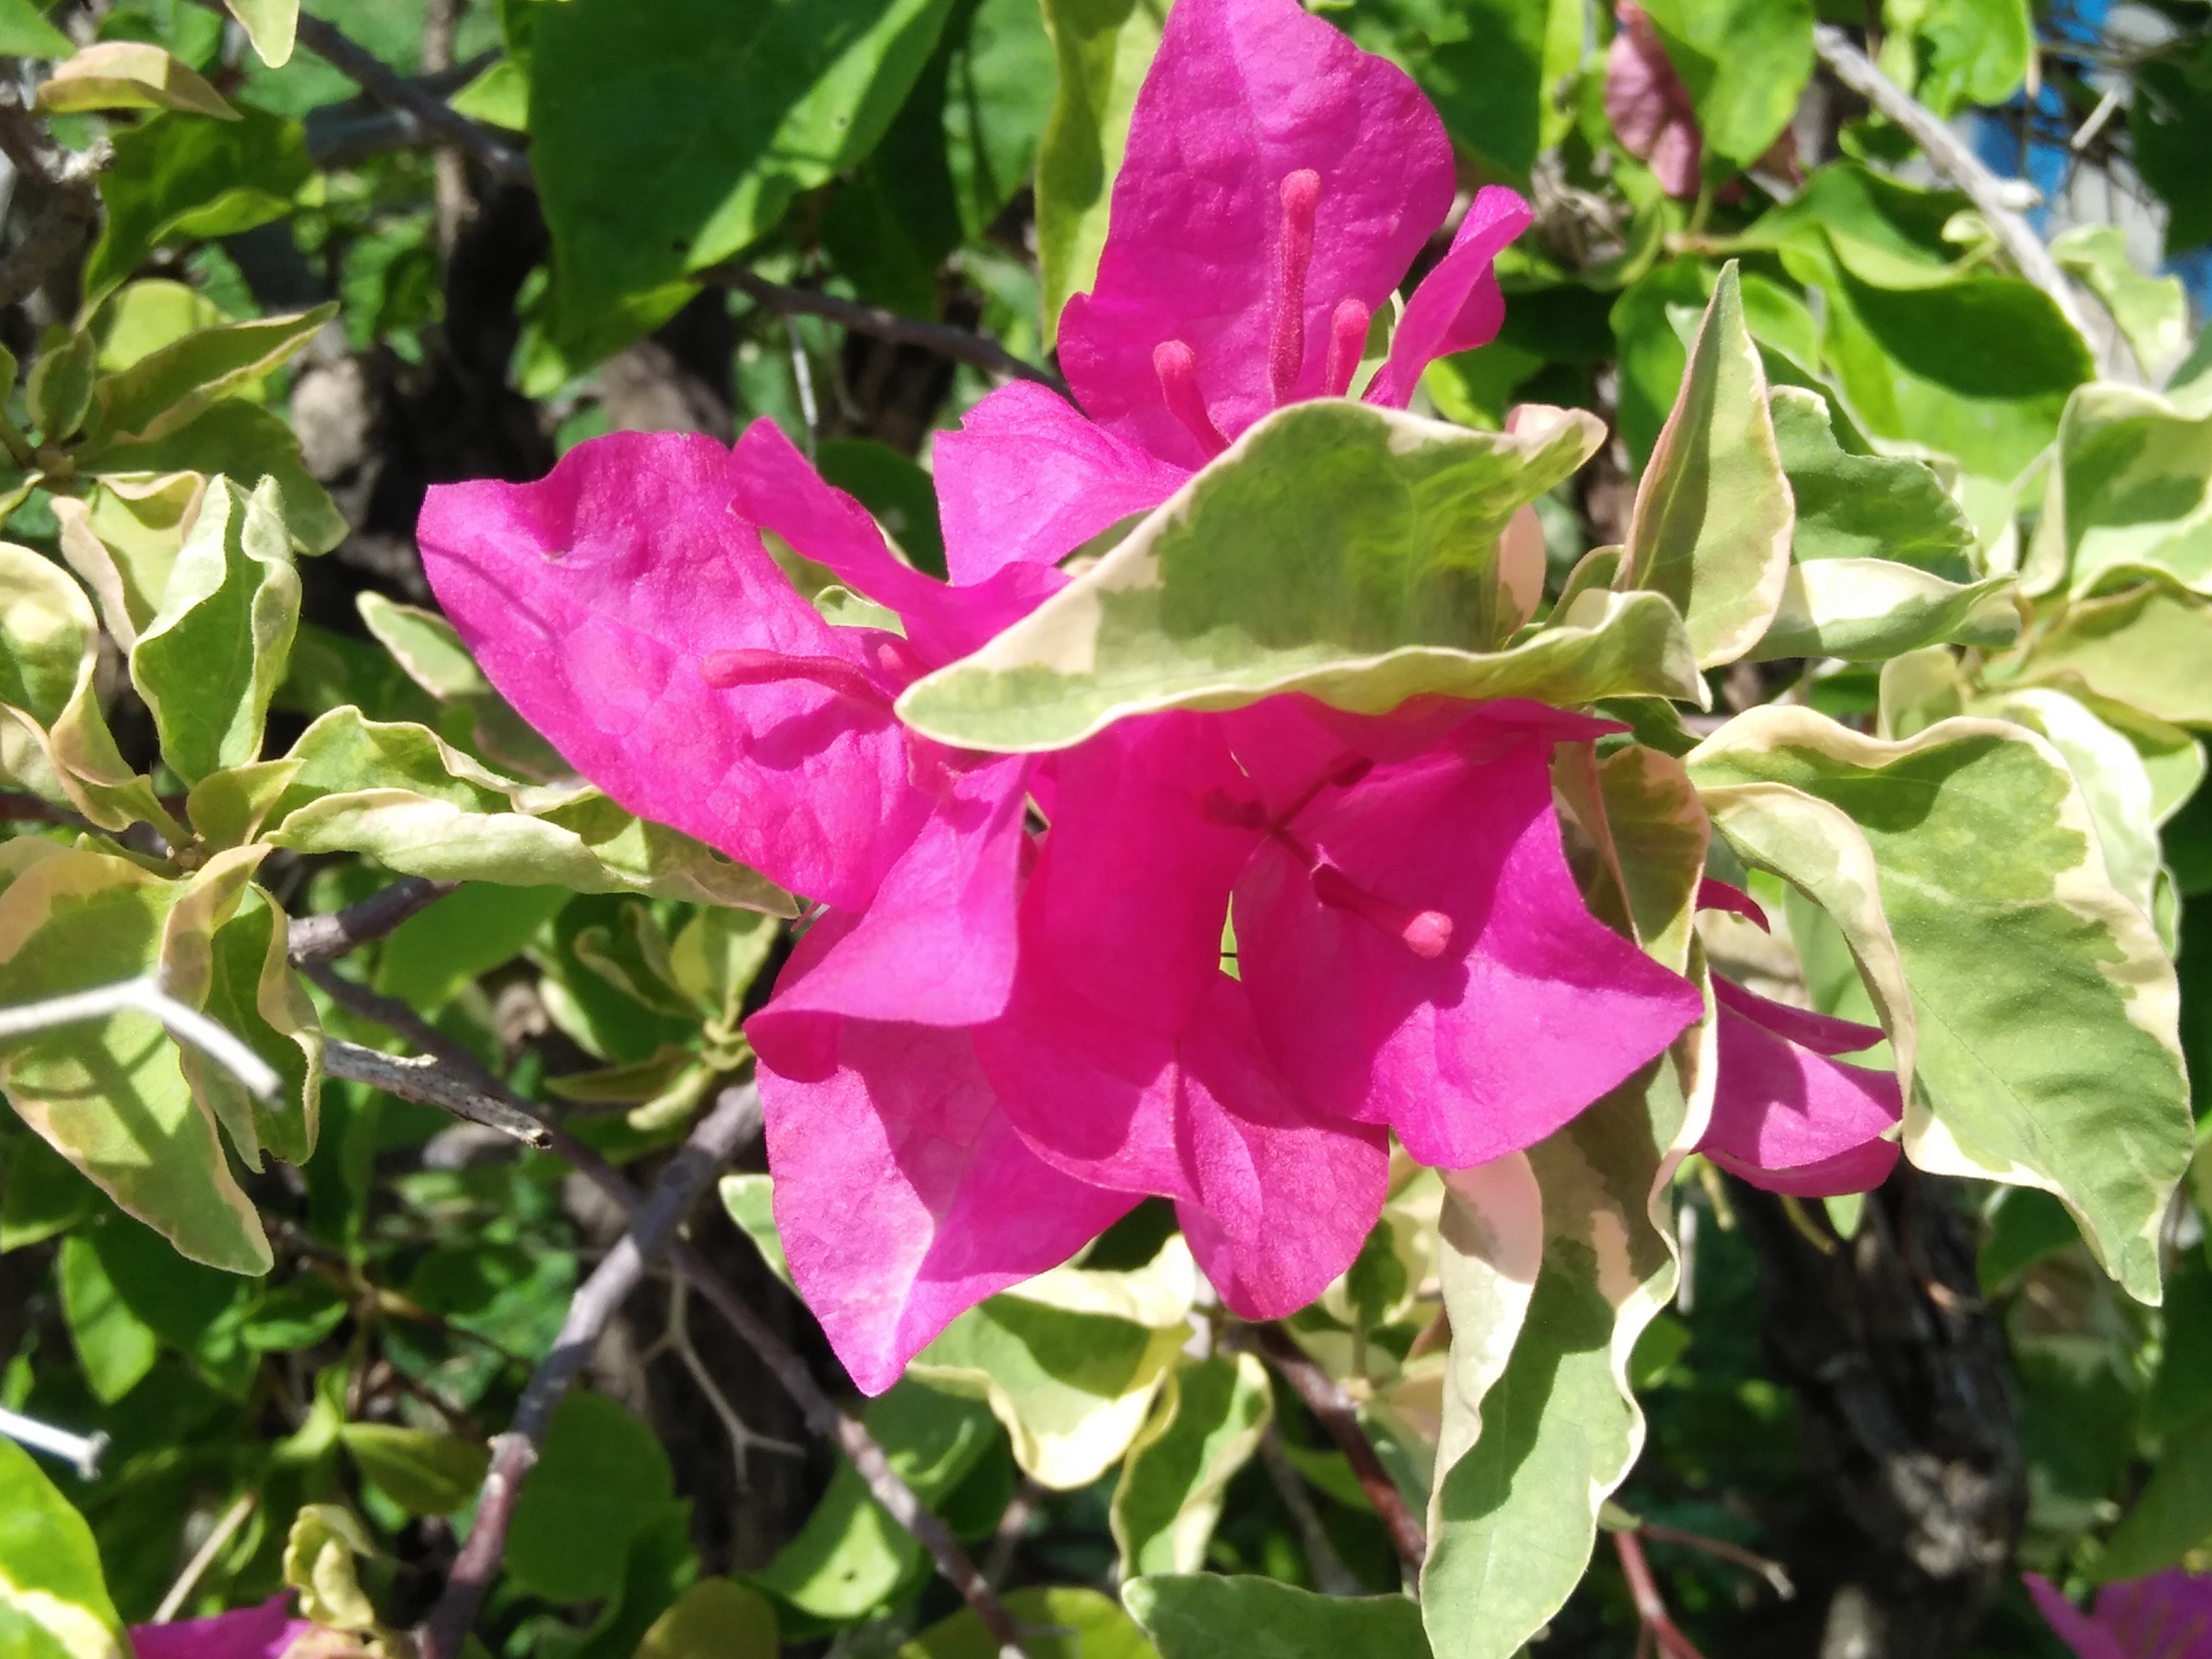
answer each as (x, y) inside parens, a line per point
(81, 1451)
(1776, 1575)
(16, 807)
(455, 207)
(203, 1558)
(145, 996)
(425, 1081)
(1328, 1403)
(943, 339)
(318, 939)
(735, 1119)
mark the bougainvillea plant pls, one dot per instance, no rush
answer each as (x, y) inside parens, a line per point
(1258, 908)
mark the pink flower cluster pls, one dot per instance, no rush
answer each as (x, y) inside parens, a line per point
(1012, 1014)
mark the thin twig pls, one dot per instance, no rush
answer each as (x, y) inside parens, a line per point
(735, 1119)
(1657, 1625)
(395, 91)
(318, 938)
(1776, 1575)
(1006, 1536)
(676, 1339)
(820, 1413)
(425, 1081)
(1948, 153)
(144, 996)
(943, 339)
(1331, 1576)
(203, 1558)
(81, 1450)
(1335, 1412)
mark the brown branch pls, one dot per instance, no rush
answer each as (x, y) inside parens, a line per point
(334, 932)
(957, 344)
(395, 91)
(1328, 1403)
(426, 1082)
(1776, 1575)
(815, 1406)
(735, 1119)
(18, 808)
(70, 180)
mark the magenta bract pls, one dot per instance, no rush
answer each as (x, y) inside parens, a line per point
(2166, 1615)
(267, 1632)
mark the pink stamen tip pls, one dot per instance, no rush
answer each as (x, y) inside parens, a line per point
(728, 670)
(1176, 365)
(1348, 340)
(1286, 346)
(1426, 934)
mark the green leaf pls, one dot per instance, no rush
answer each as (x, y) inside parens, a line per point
(1069, 1361)
(1337, 549)
(1711, 524)
(2170, 121)
(168, 388)
(53, 1597)
(209, 663)
(270, 25)
(251, 991)
(115, 1347)
(25, 33)
(195, 1310)
(2152, 312)
(1864, 507)
(432, 954)
(730, 109)
(851, 1558)
(246, 444)
(424, 1472)
(400, 794)
(1864, 609)
(893, 487)
(1204, 1428)
(1652, 356)
(999, 95)
(1744, 62)
(2112, 775)
(139, 317)
(750, 1199)
(1513, 1515)
(1061, 1622)
(1887, 234)
(1205, 1616)
(2172, 1516)
(2181, 1388)
(715, 1619)
(319, 1562)
(2143, 647)
(295, 1316)
(2129, 494)
(53, 739)
(186, 177)
(60, 387)
(1104, 48)
(129, 75)
(601, 1479)
(499, 97)
(1950, 52)
(40, 1194)
(426, 647)
(226, 808)
(2047, 1010)
(1492, 68)
(109, 1095)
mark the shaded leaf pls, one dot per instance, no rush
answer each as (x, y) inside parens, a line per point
(715, 1619)
(1062, 1622)
(2129, 493)
(601, 1477)
(1868, 609)
(1206, 1425)
(1744, 62)
(2144, 647)
(169, 387)
(1864, 507)
(178, 176)
(424, 1472)
(1206, 1616)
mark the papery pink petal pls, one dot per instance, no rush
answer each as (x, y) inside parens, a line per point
(1719, 896)
(937, 945)
(1027, 479)
(1531, 1011)
(1824, 1033)
(1648, 106)
(1788, 1119)
(262, 1632)
(1457, 306)
(592, 599)
(776, 489)
(903, 1197)
(1275, 1200)
(2165, 1615)
(1127, 905)
(1242, 95)
(2087, 1637)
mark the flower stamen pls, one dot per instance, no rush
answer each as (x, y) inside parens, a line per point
(1176, 365)
(1287, 347)
(725, 671)
(1348, 340)
(1426, 934)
